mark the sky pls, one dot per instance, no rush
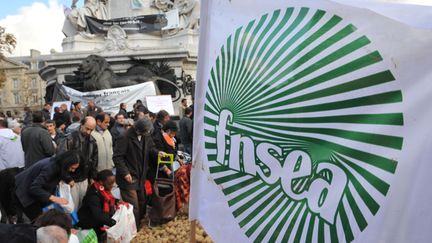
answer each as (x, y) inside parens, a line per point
(37, 24)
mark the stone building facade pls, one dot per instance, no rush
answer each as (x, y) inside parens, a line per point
(21, 86)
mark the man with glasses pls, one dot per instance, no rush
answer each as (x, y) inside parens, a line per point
(80, 140)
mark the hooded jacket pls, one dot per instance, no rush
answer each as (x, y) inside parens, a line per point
(11, 152)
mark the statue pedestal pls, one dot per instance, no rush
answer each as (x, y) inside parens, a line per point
(187, 39)
(179, 50)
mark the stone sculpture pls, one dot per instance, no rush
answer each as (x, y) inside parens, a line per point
(188, 13)
(95, 73)
(92, 8)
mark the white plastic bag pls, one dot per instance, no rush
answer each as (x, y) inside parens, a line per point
(65, 192)
(125, 228)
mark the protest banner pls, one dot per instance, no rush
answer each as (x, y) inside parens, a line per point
(131, 25)
(160, 102)
(312, 124)
(58, 104)
(109, 99)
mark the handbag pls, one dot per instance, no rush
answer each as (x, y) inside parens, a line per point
(163, 197)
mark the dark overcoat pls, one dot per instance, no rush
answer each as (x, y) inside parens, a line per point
(133, 157)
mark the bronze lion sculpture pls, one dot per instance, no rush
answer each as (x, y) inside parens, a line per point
(97, 74)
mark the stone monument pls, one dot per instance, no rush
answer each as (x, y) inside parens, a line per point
(167, 31)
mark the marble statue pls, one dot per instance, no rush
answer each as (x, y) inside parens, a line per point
(92, 8)
(188, 12)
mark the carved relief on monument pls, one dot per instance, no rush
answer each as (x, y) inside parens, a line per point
(116, 39)
(188, 13)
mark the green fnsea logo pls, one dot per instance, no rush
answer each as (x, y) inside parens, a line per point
(302, 127)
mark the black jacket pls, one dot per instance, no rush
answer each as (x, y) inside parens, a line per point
(28, 119)
(58, 137)
(37, 144)
(87, 147)
(186, 127)
(91, 213)
(7, 190)
(93, 112)
(18, 233)
(37, 183)
(46, 114)
(132, 157)
(157, 129)
(161, 145)
(116, 132)
(124, 113)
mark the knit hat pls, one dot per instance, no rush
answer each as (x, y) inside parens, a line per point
(143, 126)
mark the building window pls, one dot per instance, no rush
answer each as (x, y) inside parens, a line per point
(34, 65)
(33, 83)
(17, 99)
(35, 99)
(15, 83)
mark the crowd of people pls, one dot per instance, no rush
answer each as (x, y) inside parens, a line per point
(92, 152)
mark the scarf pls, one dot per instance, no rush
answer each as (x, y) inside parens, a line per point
(169, 140)
(109, 201)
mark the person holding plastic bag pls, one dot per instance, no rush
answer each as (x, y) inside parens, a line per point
(35, 186)
(125, 229)
(99, 205)
(64, 191)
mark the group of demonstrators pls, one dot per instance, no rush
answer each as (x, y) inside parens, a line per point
(91, 152)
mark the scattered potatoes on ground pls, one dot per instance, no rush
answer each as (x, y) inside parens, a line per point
(177, 230)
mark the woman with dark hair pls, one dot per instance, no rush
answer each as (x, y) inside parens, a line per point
(99, 205)
(35, 186)
(167, 143)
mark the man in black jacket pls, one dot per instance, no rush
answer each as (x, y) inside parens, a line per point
(132, 157)
(85, 144)
(36, 141)
(118, 129)
(46, 111)
(93, 109)
(186, 127)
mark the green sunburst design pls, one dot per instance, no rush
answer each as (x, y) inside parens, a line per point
(305, 79)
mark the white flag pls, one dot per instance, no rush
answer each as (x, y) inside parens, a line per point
(312, 124)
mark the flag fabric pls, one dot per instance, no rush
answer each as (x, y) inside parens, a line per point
(312, 124)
